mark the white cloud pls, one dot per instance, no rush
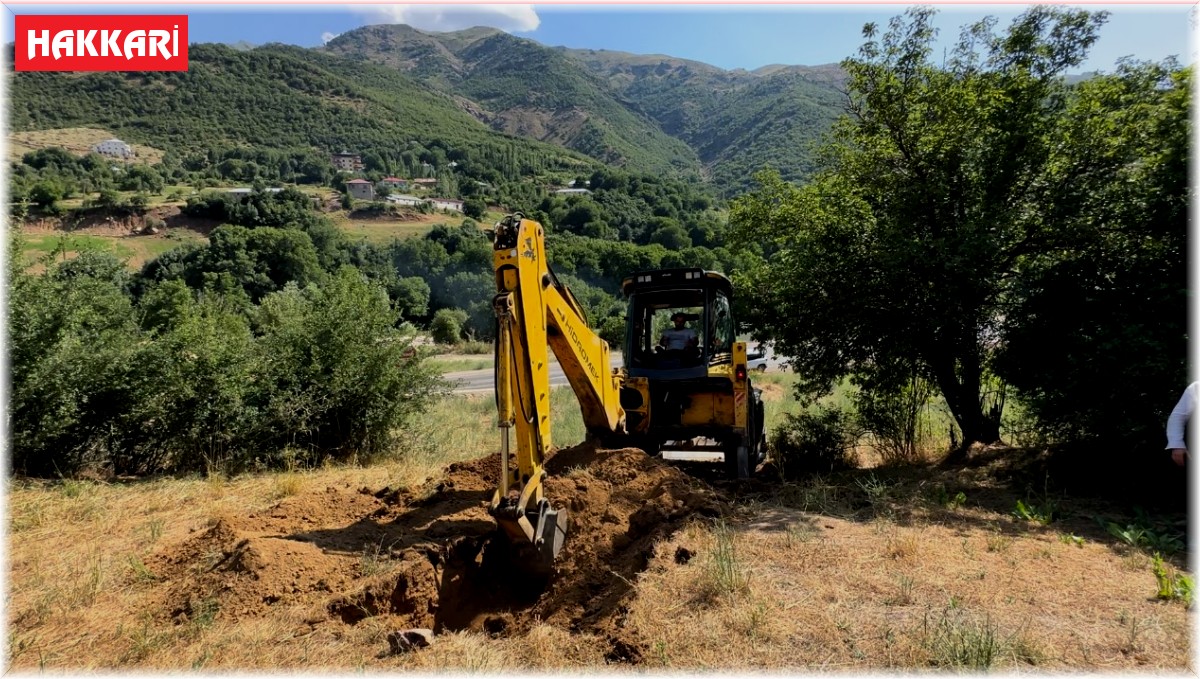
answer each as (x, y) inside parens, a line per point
(327, 36)
(450, 17)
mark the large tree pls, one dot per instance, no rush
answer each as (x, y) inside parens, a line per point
(1098, 347)
(898, 255)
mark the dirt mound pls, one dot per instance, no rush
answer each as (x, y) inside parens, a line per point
(431, 557)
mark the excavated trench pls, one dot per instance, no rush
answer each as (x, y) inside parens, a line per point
(432, 558)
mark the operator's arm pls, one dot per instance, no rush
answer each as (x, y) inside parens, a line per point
(1177, 423)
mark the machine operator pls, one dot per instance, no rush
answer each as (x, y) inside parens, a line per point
(680, 337)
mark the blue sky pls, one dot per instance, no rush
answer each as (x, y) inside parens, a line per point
(728, 36)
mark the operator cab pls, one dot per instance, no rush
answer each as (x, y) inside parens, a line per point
(680, 323)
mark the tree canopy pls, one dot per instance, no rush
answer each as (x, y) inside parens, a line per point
(952, 198)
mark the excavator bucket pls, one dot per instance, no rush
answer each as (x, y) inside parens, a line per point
(534, 540)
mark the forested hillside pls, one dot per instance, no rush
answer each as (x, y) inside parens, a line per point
(275, 97)
(738, 122)
(524, 88)
(519, 107)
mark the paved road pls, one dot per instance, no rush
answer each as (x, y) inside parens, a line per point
(483, 381)
(480, 381)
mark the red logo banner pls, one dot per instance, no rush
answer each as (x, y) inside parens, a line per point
(101, 42)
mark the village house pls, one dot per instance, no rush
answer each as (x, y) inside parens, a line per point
(394, 183)
(361, 189)
(114, 148)
(402, 199)
(446, 204)
(246, 191)
(572, 191)
(424, 183)
(347, 162)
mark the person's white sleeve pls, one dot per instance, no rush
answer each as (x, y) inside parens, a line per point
(1178, 420)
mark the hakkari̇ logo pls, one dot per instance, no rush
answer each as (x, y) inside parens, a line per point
(101, 43)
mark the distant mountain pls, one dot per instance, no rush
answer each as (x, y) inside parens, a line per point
(523, 88)
(737, 121)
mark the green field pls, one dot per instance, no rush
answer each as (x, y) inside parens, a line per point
(383, 233)
(135, 250)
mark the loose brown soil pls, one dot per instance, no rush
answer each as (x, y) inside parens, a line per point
(432, 558)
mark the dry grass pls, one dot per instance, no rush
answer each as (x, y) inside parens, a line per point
(78, 140)
(865, 572)
(449, 363)
(867, 595)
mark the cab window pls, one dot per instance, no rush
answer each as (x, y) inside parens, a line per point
(722, 325)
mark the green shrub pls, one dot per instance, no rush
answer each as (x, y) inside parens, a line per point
(190, 382)
(447, 325)
(820, 441)
(337, 380)
(894, 416)
(72, 342)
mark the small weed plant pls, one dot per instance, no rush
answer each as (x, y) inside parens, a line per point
(1172, 586)
(375, 560)
(1142, 534)
(1044, 513)
(726, 574)
(956, 641)
(878, 492)
(1071, 539)
(942, 497)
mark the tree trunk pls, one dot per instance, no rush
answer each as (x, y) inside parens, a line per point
(960, 388)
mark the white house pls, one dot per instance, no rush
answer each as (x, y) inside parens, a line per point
(401, 199)
(447, 204)
(115, 148)
(361, 188)
(572, 191)
(246, 192)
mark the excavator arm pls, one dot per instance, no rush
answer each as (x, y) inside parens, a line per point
(535, 314)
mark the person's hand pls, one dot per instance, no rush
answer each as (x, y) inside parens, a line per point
(1179, 455)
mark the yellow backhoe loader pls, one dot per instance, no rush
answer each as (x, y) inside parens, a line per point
(682, 387)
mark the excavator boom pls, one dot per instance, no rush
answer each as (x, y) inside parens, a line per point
(536, 314)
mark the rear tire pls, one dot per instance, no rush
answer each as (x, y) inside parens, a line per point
(737, 459)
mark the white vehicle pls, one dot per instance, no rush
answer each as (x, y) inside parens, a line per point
(756, 361)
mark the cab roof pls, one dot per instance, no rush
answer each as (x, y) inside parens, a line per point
(666, 279)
